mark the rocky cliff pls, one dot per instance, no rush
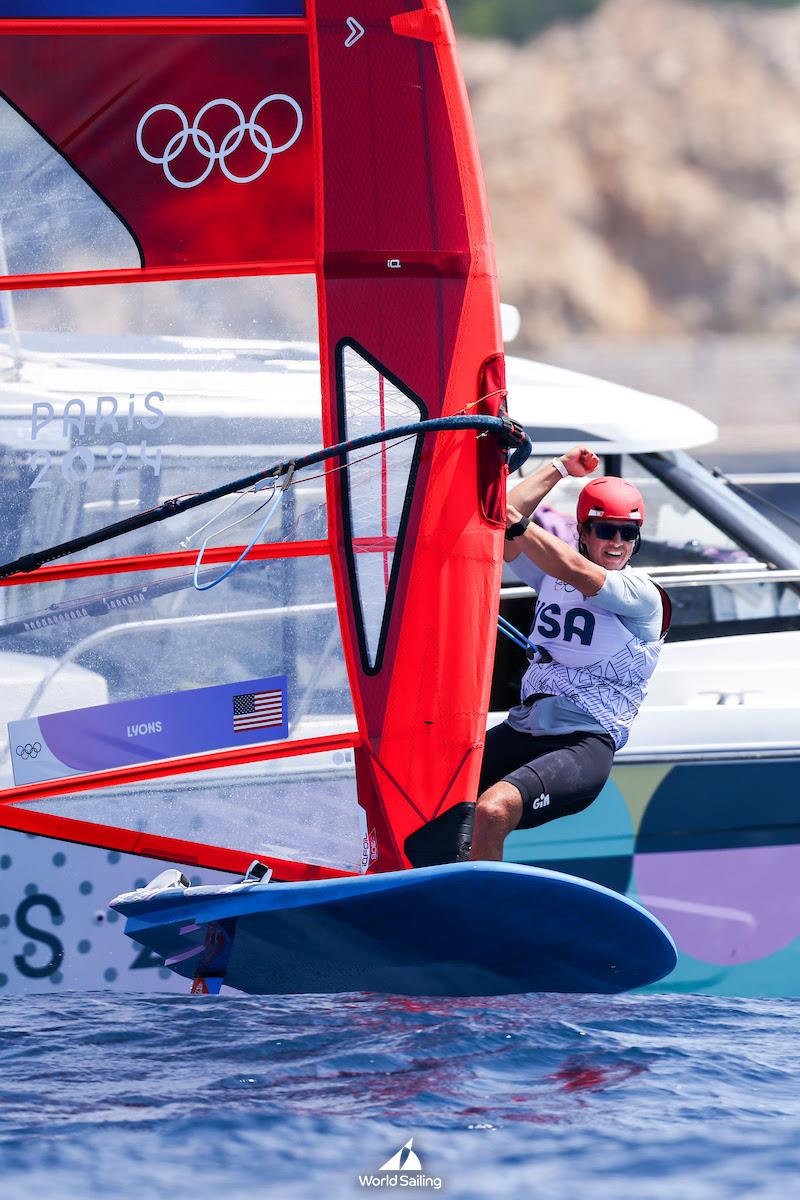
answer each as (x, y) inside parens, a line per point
(643, 168)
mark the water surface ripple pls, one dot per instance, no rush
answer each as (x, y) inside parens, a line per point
(541, 1096)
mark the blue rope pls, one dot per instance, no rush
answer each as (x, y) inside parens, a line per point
(514, 634)
(272, 507)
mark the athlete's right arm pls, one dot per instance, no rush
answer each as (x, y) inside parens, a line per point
(554, 557)
(527, 495)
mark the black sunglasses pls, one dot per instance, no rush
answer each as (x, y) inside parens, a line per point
(607, 530)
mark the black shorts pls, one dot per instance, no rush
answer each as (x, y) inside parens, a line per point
(556, 776)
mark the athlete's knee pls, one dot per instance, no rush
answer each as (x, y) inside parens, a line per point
(499, 806)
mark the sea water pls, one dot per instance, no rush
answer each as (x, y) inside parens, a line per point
(635, 1096)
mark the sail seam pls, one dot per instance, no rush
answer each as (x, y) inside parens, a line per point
(465, 758)
(373, 756)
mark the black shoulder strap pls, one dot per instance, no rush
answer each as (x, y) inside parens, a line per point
(667, 609)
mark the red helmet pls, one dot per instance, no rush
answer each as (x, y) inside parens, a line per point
(612, 499)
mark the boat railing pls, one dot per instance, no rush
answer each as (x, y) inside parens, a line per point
(706, 575)
(684, 753)
(756, 478)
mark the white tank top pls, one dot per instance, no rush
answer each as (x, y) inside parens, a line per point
(596, 662)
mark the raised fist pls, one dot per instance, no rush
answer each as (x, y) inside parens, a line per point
(580, 461)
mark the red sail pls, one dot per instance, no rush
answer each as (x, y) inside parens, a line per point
(346, 151)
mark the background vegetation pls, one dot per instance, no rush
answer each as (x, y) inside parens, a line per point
(518, 20)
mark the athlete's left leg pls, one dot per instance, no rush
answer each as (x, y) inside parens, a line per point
(500, 801)
(498, 811)
(564, 777)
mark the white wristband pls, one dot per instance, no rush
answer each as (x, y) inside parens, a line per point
(559, 466)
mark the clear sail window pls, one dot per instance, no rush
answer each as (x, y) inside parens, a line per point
(114, 398)
(75, 644)
(303, 809)
(378, 485)
(50, 218)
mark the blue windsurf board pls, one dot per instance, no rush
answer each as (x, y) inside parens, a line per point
(464, 929)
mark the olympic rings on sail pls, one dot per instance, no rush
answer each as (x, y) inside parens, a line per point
(204, 144)
(29, 750)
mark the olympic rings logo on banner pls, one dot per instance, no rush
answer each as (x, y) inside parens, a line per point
(29, 750)
(205, 145)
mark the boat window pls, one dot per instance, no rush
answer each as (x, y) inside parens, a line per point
(675, 533)
(771, 494)
(726, 595)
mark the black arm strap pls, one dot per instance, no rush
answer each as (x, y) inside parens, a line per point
(517, 529)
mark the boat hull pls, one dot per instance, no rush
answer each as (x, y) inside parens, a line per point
(712, 848)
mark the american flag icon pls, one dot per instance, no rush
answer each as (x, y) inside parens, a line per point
(257, 710)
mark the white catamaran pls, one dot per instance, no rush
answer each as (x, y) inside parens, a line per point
(253, 466)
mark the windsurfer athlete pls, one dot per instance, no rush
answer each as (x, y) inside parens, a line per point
(598, 629)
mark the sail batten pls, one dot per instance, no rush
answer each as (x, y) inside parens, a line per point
(171, 560)
(200, 270)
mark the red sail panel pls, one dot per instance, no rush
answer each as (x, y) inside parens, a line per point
(201, 145)
(410, 279)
